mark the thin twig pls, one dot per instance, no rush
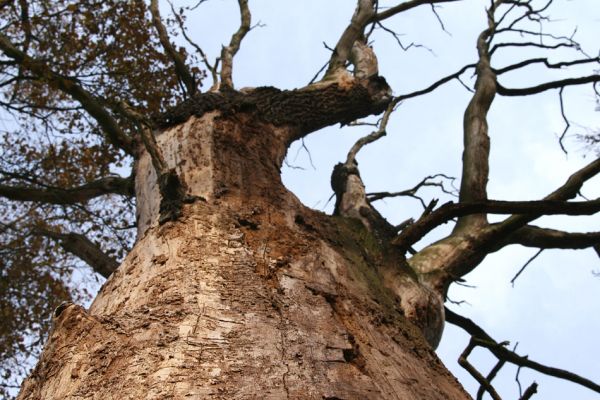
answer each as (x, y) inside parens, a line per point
(567, 123)
(512, 281)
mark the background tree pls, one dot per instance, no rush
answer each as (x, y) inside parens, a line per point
(81, 87)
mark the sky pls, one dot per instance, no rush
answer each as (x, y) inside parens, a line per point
(553, 310)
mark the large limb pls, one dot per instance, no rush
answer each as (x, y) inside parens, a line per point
(459, 253)
(62, 196)
(90, 103)
(308, 109)
(434, 263)
(475, 166)
(86, 250)
(545, 238)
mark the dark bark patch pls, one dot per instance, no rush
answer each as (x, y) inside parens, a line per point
(62, 307)
(309, 109)
(299, 220)
(353, 355)
(248, 223)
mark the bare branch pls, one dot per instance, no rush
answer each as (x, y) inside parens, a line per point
(569, 190)
(547, 86)
(544, 238)
(435, 85)
(529, 209)
(228, 52)
(490, 377)
(530, 391)
(86, 250)
(404, 7)
(93, 105)
(567, 123)
(180, 68)
(547, 63)
(413, 191)
(502, 353)
(484, 383)
(475, 166)
(80, 194)
(530, 44)
(372, 137)
(396, 37)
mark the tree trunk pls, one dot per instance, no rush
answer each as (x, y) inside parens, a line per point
(248, 294)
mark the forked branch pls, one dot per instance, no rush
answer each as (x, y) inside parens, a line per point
(365, 14)
(524, 209)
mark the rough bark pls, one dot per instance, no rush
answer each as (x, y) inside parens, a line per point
(248, 294)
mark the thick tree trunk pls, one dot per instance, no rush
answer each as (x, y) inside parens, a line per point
(247, 295)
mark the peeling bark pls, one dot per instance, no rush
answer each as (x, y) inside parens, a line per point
(247, 295)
